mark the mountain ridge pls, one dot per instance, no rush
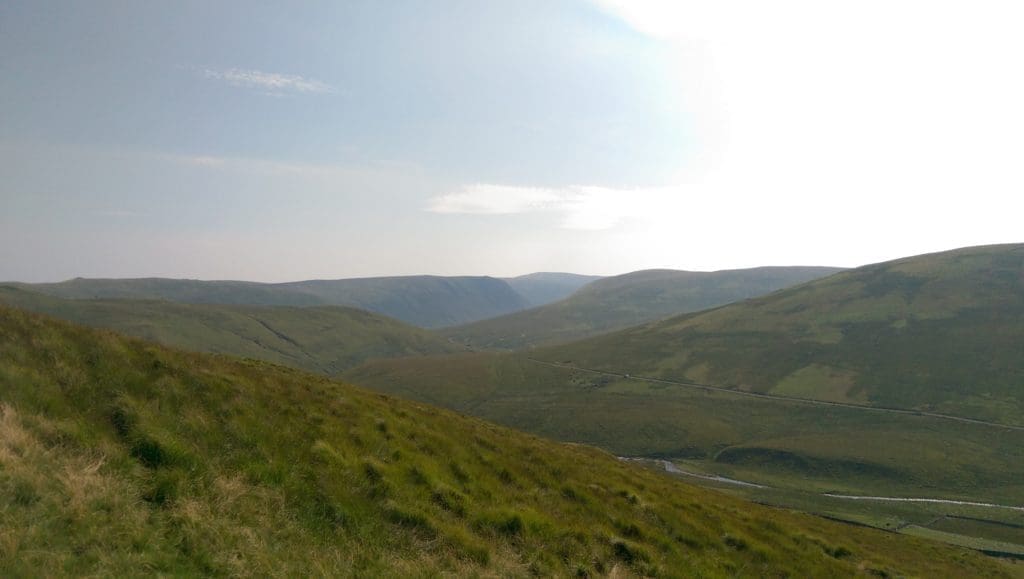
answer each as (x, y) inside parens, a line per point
(422, 300)
(617, 302)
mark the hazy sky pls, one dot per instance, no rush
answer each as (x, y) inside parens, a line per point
(277, 141)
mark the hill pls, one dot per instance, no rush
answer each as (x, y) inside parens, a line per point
(942, 332)
(425, 301)
(800, 390)
(323, 339)
(122, 458)
(545, 287)
(619, 302)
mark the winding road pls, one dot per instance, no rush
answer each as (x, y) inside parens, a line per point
(671, 468)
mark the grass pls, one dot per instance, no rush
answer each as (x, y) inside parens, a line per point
(119, 457)
(983, 524)
(619, 302)
(941, 333)
(322, 339)
(829, 448)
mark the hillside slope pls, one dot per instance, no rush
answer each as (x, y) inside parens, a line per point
(546, 287)
(941, 332)
(319, 339)
(425, 301)
(619, 302)
(122, 458)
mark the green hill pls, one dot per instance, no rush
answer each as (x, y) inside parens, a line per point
(622, 301)
(425, 301)
(319, 339)
(123, 458)
(832, 448)
(791, 390)
(545, 287)
(941, 332)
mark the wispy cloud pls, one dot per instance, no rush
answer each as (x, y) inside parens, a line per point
(580, 207)
(499, 200)
(273, 83)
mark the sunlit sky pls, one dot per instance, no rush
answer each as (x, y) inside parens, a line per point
(328, 139)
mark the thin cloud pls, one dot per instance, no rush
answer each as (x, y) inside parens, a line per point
(486, 199)
(273, 83)
(581, 207)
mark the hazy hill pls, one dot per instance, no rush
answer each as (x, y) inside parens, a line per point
(326, 339)
(425, 301)
(122, 458)
(941, 332)
(619, 302)
(545, 287)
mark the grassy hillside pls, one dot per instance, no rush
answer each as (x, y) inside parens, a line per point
(425, 301)
(626, 300)
(941, 332)
(318, 339)
(842, 449)
(122, 458)
(547, 287)
(800, 449)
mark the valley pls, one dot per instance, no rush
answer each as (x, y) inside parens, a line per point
(777, 398)
(188, 464)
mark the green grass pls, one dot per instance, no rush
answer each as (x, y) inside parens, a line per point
(988, 546)
(829, 448)
(319, 339)
(122, 458)
(941, 333)
(626, 300)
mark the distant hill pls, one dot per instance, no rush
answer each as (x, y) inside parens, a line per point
(546, 287)
(941, 332)
(626, 300)
(425, 301)
(326, 339)
(122, 458)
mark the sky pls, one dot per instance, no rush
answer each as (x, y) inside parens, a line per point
(329, 139)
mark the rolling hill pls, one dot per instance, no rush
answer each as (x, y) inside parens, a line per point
(323, 339)
(545, 287)
(425, 301)
(619, 302)
(942, 332)
(122, 458)
(900, 379)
